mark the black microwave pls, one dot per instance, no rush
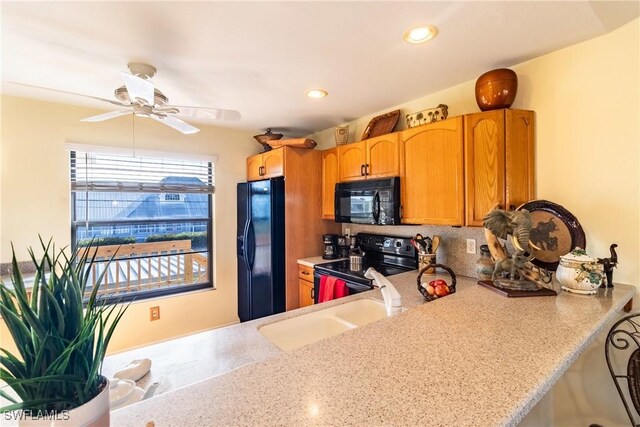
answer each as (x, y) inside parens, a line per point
(374, 201)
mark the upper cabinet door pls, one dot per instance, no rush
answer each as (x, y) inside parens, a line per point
(352, 158)
(484, 164)
(273, 163)
(383, 156)
(432, 178)
(329, 180)
(519, 146)
(254, 168)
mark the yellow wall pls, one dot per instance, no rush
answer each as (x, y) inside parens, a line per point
(34, 194)
(586, 98)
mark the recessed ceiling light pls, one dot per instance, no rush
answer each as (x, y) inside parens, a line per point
(316, 93)
(420, 34)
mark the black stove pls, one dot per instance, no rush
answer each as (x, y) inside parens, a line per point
(343, 269)
(389, 255)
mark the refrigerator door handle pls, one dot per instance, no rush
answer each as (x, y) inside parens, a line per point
(245, 242)
(251, 242)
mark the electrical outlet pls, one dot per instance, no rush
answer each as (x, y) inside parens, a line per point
(347, 232)
(471, 246)
(154, 313)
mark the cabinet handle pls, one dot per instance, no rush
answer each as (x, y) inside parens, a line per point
(361, 170)
(306, 273)
(261, 171)
(366, 169)
(313, 293)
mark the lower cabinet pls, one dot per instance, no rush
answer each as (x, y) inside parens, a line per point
(305, 285)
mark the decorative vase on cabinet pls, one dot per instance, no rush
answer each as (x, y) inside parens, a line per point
(496, 89)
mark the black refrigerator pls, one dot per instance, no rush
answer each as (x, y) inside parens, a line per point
(261, 249)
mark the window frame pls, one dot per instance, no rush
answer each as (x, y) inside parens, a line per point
(156, 293)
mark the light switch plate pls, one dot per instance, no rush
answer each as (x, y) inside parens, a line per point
(471, 246)
(154, 313)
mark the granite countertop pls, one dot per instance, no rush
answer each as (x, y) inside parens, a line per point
(453, 361)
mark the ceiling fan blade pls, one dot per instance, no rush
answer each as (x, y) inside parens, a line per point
(206, 113)
(119, 104)
(139, 88)
(176, 123)
(107, 116)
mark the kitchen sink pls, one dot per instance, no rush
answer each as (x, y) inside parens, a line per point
(308, 328)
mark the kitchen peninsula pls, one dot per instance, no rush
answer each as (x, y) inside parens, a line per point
(471, 357)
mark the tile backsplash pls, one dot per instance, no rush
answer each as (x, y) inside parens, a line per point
(453, 246)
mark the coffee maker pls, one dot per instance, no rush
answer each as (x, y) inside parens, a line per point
(330, 246)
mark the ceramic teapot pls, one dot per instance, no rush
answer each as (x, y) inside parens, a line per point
(579, 273)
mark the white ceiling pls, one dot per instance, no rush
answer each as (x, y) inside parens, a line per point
(260, 57)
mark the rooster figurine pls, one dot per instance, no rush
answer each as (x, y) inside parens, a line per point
(609, 264)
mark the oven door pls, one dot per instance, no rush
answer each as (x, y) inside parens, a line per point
(353, 287)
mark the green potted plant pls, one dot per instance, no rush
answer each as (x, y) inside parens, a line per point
(61, 340)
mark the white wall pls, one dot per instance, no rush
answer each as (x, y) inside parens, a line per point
(34, 189)
(587, 103)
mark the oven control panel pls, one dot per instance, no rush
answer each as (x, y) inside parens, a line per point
(392, 245)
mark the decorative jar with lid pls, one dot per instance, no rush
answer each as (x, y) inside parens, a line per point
(484, 264)
(579, 273)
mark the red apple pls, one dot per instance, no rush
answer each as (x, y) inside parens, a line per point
(431, 290)
(437, 282)
(442, 289)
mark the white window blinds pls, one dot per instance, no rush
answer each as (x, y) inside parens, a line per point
(96, 172)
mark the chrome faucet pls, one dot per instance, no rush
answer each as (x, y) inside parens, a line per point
(392, 298)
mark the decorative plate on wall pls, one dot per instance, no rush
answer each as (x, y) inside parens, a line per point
(554, 230)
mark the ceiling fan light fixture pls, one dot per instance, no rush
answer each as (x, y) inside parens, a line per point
(420, 34)
(316, 93)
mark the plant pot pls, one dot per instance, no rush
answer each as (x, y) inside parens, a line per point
(94, 413)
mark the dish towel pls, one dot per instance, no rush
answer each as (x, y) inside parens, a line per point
(332, 288)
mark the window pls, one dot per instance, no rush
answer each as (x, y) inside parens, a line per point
(153, 214)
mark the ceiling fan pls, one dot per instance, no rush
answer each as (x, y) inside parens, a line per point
(139, 96)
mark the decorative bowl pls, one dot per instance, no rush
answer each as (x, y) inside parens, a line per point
(266, 137)
(496, 89)
(579, 273)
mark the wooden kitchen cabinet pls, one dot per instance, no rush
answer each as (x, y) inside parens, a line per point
(377, 157)
(352, 158)
(269, 164)
(499, 161)
(330, 175)
(432, 177)
(305, 285)
(273, 163)
(254, 168)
